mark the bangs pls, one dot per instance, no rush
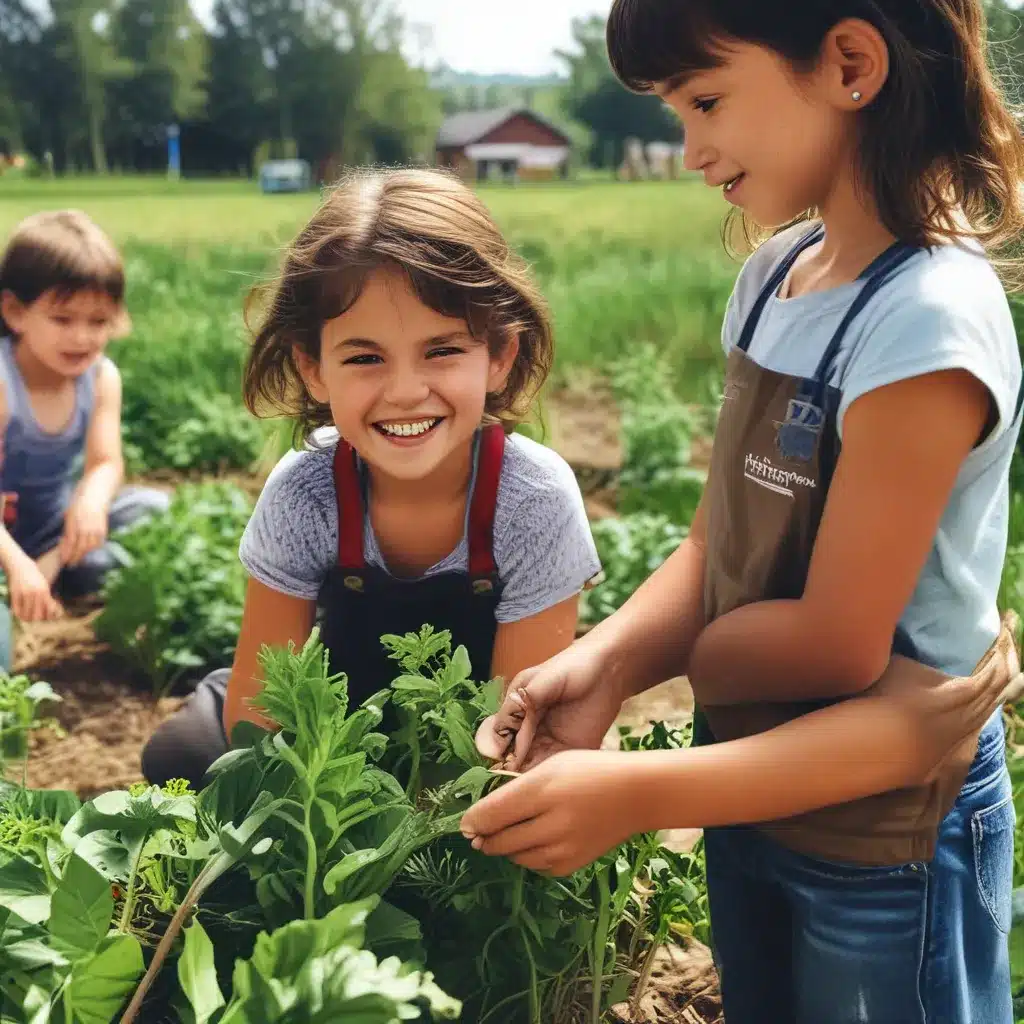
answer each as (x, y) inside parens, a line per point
(30, 269)
(335, 292)
(72, 279)
(652, 41)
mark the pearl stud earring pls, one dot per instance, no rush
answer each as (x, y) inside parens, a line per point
(857, 96)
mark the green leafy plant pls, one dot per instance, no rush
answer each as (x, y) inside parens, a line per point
(630, 549)
(21, 700)
(307, 883)
(657, 475)
(177, 608)
(312, 971)
(567, 962)
(439, 706)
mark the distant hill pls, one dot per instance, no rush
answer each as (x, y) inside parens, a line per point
(449, 78)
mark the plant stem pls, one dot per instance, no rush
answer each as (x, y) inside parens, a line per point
(129, 896)
(600, 939)
(309, 890)
(164, 946)
(534, 996)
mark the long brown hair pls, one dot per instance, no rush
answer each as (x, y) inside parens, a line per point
(938, 147)
(436, 230)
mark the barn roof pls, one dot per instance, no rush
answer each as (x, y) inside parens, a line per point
(469, 126)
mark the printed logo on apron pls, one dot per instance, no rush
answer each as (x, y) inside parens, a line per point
(796, 437)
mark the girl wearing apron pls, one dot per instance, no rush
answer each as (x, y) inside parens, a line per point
(835, 603)
(407, 340)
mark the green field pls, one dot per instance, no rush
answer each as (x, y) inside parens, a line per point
(662, 216)
(622, 266)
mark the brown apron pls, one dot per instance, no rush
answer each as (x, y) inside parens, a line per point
(776, 447)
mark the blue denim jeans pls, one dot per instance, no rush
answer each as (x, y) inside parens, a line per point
(804, 941)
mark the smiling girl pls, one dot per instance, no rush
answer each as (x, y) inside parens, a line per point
(407, 340)
(850, 541)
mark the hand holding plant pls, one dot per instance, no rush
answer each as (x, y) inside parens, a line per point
(563, 815)
(572, 706)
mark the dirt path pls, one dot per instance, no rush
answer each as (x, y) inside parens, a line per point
(105, 713)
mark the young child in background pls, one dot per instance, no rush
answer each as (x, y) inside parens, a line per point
(407, 340)
(848, 549)
(61, 301)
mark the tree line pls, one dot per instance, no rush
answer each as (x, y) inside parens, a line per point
(96, 84)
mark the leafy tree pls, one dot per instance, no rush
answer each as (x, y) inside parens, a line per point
(596, 98)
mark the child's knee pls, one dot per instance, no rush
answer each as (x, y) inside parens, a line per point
(136, 504)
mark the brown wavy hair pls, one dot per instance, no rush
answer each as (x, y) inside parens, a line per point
(65, 252)
(940, 151)
(432, 227)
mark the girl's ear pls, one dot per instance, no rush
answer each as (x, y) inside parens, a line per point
(502, 362)
(309, 371)
(12, 311)
(855, 59)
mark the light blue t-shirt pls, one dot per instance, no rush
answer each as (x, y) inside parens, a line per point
(543, 547)
(943, 309)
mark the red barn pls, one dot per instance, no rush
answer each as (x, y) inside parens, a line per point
(504, 144)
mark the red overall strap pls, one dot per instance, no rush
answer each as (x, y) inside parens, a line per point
(485, 501)
(350, 507)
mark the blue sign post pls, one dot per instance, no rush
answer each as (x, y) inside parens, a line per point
(173, 151)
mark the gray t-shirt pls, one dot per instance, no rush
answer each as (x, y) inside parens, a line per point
(543, 547)
(943, 309)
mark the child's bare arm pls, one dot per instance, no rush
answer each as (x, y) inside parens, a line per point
(28, 583)
(270, 618)
(86, 520)
(884, 507)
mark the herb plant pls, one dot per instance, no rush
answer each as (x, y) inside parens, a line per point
(177, 608)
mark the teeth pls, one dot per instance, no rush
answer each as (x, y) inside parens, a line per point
(730, 185)
(407, 429)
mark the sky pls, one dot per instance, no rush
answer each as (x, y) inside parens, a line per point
(487, 36)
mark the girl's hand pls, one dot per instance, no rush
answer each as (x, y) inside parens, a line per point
(31, 598)
(562, 815)
(566, 703)
(85, 529)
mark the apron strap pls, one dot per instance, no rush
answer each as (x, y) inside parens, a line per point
(485, 502)
(773, 284)
(878, 273)
(349, 490)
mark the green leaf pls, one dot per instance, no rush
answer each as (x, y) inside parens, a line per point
(618, 991)
(49, 804)
(286, 951)
(197, 974)
(457, 730)
(472, 783)
(392, 932)
(459, 668)
(107, 854)
(82, 908)
(23, 890)
(26, 949)
(416, 684)
(135, 817)
(100, 985)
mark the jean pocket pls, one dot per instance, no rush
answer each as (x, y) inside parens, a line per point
(992, 829)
